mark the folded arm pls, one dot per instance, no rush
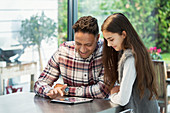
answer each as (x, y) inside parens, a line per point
(98, 90)
(126, 85)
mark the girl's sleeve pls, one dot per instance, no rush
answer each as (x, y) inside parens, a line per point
(126, 85)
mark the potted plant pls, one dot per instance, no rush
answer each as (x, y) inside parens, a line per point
(155, 53)
(35, 29)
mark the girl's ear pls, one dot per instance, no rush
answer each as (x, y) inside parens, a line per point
(124, 34)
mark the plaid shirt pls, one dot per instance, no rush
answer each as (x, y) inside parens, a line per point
(84, 77)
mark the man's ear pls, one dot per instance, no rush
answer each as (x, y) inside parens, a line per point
(124, 34)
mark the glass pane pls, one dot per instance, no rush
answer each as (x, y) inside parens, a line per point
(30, 31)
(141, 14)
(62, 21)
(89, 8)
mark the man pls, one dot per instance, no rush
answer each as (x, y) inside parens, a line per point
(79, 63)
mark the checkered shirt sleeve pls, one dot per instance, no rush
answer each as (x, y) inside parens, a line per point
(84, 77)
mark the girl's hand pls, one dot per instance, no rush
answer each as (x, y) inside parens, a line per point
(115, 89)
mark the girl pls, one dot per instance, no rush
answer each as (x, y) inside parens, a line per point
(127, 62)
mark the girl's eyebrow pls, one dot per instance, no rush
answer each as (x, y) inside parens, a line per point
(108, 38)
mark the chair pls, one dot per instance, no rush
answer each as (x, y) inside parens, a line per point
(17, 71)
(161, 73)
(13, 90)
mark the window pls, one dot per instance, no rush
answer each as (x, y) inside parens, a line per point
(12, 13)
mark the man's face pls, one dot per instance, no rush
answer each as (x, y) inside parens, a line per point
(85, 43)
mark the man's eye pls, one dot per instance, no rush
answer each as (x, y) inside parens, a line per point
(88, 45)
(111, 39)
(78, 43)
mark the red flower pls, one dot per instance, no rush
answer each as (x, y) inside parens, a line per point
(158, 50)
(154, 48)
(155, 53)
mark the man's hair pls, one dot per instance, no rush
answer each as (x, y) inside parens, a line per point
(86, 24)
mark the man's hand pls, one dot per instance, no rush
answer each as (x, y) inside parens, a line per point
(115, 89)
(57, 91)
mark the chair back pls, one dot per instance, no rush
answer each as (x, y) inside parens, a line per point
(161, 74)
(10, 89)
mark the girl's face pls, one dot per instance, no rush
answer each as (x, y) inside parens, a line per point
(114, 39)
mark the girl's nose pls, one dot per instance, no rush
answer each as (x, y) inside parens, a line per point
(108, 44)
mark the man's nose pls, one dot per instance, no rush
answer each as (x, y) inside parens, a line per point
(83, 49)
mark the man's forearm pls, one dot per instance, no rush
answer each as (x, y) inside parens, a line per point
(41, 89)
(93, 91)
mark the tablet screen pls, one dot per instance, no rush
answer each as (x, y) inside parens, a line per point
(71, 100)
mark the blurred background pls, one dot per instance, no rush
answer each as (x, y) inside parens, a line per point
(32, 30)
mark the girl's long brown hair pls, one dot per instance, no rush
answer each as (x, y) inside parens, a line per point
(146, 77)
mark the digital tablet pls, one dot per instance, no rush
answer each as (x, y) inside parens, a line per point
(71, 100)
